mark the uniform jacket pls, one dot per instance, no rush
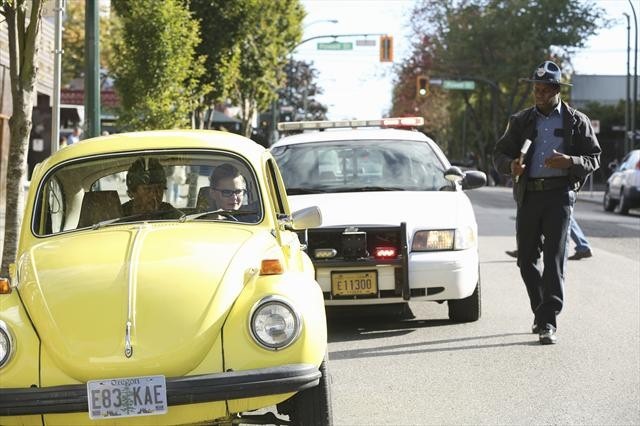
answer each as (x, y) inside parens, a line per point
(580, 143)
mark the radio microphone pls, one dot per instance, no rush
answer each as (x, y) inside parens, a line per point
(523, 153)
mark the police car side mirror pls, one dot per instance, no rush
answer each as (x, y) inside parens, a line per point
(474, 179)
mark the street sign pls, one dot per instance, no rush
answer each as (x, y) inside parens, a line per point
(335, 45)
(365, 42)
(435, 81)
(459, 85)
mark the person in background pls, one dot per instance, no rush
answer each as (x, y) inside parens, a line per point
(583, 249)
(74, 136)
(62, 142)
(563, 153)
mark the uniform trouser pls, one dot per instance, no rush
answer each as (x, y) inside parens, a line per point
(542, 224)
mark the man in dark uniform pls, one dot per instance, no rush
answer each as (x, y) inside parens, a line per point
(564, 151)
(146, 183)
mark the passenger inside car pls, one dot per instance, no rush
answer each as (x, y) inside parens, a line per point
(146, 183)
(228, 187)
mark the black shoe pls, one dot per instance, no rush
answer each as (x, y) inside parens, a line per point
(581, 255)
(548, 337)
(512, 253)
(535, 329)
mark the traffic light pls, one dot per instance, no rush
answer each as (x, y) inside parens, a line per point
(386, 48)
(422, 86)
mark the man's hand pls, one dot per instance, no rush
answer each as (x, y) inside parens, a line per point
(558, 161)
(517, 169)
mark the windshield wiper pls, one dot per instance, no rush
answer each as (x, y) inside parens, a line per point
(146, 215)
(227, 213)
(370, 189)
(300, 191)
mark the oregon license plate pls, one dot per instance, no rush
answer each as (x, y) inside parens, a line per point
(127, 397)
(357, 283)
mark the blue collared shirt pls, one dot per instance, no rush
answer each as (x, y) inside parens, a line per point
(546, 141)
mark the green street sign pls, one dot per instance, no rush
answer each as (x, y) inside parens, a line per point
(459, 85)
(335, 45)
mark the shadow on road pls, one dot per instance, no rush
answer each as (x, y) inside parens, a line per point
(445, 345)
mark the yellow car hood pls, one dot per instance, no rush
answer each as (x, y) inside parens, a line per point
(173, 283)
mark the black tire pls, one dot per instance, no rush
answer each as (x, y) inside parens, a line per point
(607, 203)
(468, 309)
(623, 204)
(311, 407)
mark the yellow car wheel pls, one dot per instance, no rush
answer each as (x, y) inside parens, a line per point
(311, 406)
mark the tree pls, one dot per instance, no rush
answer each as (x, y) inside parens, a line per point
(300, 91)
(495, 43)
(222, 25)
(276, 29)
(155, 67)
(73, 41)
(24, 27)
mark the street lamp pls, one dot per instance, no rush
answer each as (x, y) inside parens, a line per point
(332, 21)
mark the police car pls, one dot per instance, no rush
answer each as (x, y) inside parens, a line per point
(396, 226)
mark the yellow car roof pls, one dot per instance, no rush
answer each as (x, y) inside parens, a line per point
(159, 139)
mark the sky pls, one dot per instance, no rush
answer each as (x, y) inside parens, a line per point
(357, 85)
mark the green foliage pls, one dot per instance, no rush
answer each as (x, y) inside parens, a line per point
(73, 41)
(495, 43)
(222, 25)
(276, 29)
(300, 91)
(157, 74)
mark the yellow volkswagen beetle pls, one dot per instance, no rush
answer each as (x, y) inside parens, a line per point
(159, 280)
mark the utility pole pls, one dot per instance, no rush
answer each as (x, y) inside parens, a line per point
(627, 100)
(92, 68)
(57, 65)
(635, 80)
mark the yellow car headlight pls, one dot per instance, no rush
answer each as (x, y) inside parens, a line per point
(274, 323)
(6, 344)
(444, 239)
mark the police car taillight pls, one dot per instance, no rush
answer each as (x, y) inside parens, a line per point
(381, 253)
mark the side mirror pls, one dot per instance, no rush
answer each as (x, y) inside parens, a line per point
(453, 174)
(309, 217)
(474, 179)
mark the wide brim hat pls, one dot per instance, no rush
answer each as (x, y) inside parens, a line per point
(547, 72)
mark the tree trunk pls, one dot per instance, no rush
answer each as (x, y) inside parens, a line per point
(19, 127)
(24, 41)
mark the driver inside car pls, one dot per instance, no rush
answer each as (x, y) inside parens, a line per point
(146, 184)
(228, 187)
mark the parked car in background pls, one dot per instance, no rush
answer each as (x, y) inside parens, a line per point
(397, 225)
(128, 301)
(623, 186)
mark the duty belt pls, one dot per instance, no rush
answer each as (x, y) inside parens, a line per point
(545, 184)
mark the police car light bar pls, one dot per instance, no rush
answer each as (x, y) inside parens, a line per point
(383, 122)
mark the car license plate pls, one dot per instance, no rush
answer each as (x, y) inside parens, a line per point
(360, 283)
(127, 397)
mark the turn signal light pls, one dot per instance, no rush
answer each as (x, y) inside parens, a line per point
(271, 267)
(5, 286)
(385, 253)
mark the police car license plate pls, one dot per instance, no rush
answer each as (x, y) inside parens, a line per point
(357, 283)
(127, 397)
